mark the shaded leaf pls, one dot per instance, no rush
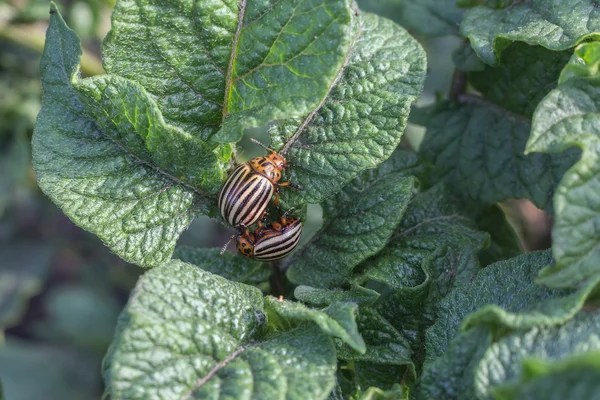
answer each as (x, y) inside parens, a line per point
(385, 345)
(230, 266)
(237, 62)
(554, 24)
(478, 149)
(504, 242)
(526, 75)
(362, 120)
(477, 144)
(358, 222)
(432, 222)
(434, 249)
(106, 177)
(186, 333)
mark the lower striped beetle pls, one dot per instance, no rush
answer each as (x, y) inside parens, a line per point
(245, 195)
(271, 242)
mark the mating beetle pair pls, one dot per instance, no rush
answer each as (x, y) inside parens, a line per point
(243, 200)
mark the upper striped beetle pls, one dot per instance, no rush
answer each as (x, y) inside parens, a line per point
(246, 193)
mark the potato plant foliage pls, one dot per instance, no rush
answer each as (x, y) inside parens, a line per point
(415, 286)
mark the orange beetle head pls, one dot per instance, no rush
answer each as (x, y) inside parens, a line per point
(270, 166)
(245, 246)
(278, 161)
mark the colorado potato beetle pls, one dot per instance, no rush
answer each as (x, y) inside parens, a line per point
(244, 196)
(271, 242)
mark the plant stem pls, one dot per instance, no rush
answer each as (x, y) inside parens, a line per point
(276, 280)
(458, 85)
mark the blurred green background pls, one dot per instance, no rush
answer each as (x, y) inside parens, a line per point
(61, 289)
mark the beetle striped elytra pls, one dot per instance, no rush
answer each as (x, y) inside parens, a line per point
(245, 195)
(272, 242)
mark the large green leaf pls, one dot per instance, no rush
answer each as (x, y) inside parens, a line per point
(238, 62)
(103, 154)
(502, 361)
(361, 122)
(425, 17)
(477, 144)
(504, 296)
(577, 377)
(358, 222)
(186, 333)
(568, 116)
(123, 112)
(554, 24)
(231, 266)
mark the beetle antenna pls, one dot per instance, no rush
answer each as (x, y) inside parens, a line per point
(262, 145)
(224, 248)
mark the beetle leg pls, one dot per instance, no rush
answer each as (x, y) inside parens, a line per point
(286, 215)
(261, 225)
(276, 201)
(290, 184)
